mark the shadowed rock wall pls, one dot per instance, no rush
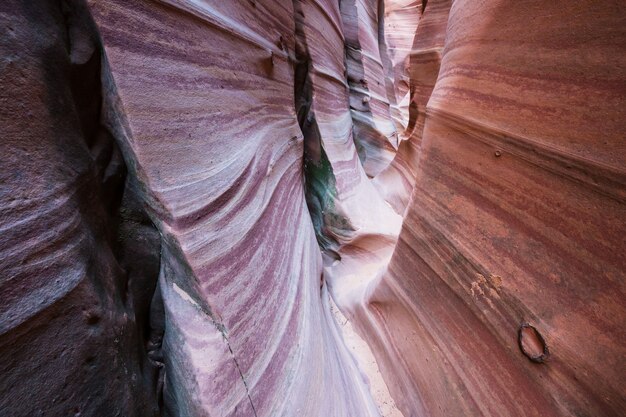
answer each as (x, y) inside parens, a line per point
(79, 257)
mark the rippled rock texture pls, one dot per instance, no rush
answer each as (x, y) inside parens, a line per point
(190, 188)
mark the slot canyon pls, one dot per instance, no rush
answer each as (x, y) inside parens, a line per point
(312, 208)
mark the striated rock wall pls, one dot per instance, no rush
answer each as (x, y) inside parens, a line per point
(517, 216)
(79, 258)
(214, 136)
(189, 187)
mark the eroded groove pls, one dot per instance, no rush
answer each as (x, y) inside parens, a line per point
(319, 179)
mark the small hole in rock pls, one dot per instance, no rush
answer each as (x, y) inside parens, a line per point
(92, 318)
(532, 344)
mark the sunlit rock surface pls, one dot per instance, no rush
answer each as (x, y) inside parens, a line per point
(317, 208)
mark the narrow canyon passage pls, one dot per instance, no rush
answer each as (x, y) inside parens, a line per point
(316, 208)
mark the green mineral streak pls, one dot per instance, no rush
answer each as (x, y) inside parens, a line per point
(321, 192)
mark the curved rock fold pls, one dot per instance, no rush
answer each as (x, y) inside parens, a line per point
(337, 208)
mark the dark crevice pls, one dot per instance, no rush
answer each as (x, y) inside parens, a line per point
(114, 207)
(243, 379)
(319, 179)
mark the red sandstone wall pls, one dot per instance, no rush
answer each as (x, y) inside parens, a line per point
(517, 216)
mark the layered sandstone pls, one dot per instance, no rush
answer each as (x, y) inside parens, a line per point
(312, 208)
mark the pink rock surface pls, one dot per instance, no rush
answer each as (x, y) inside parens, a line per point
(245, 320)
(395, 183)
(516, 216)
(376, 137)
(351, 208)
(398, 23)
